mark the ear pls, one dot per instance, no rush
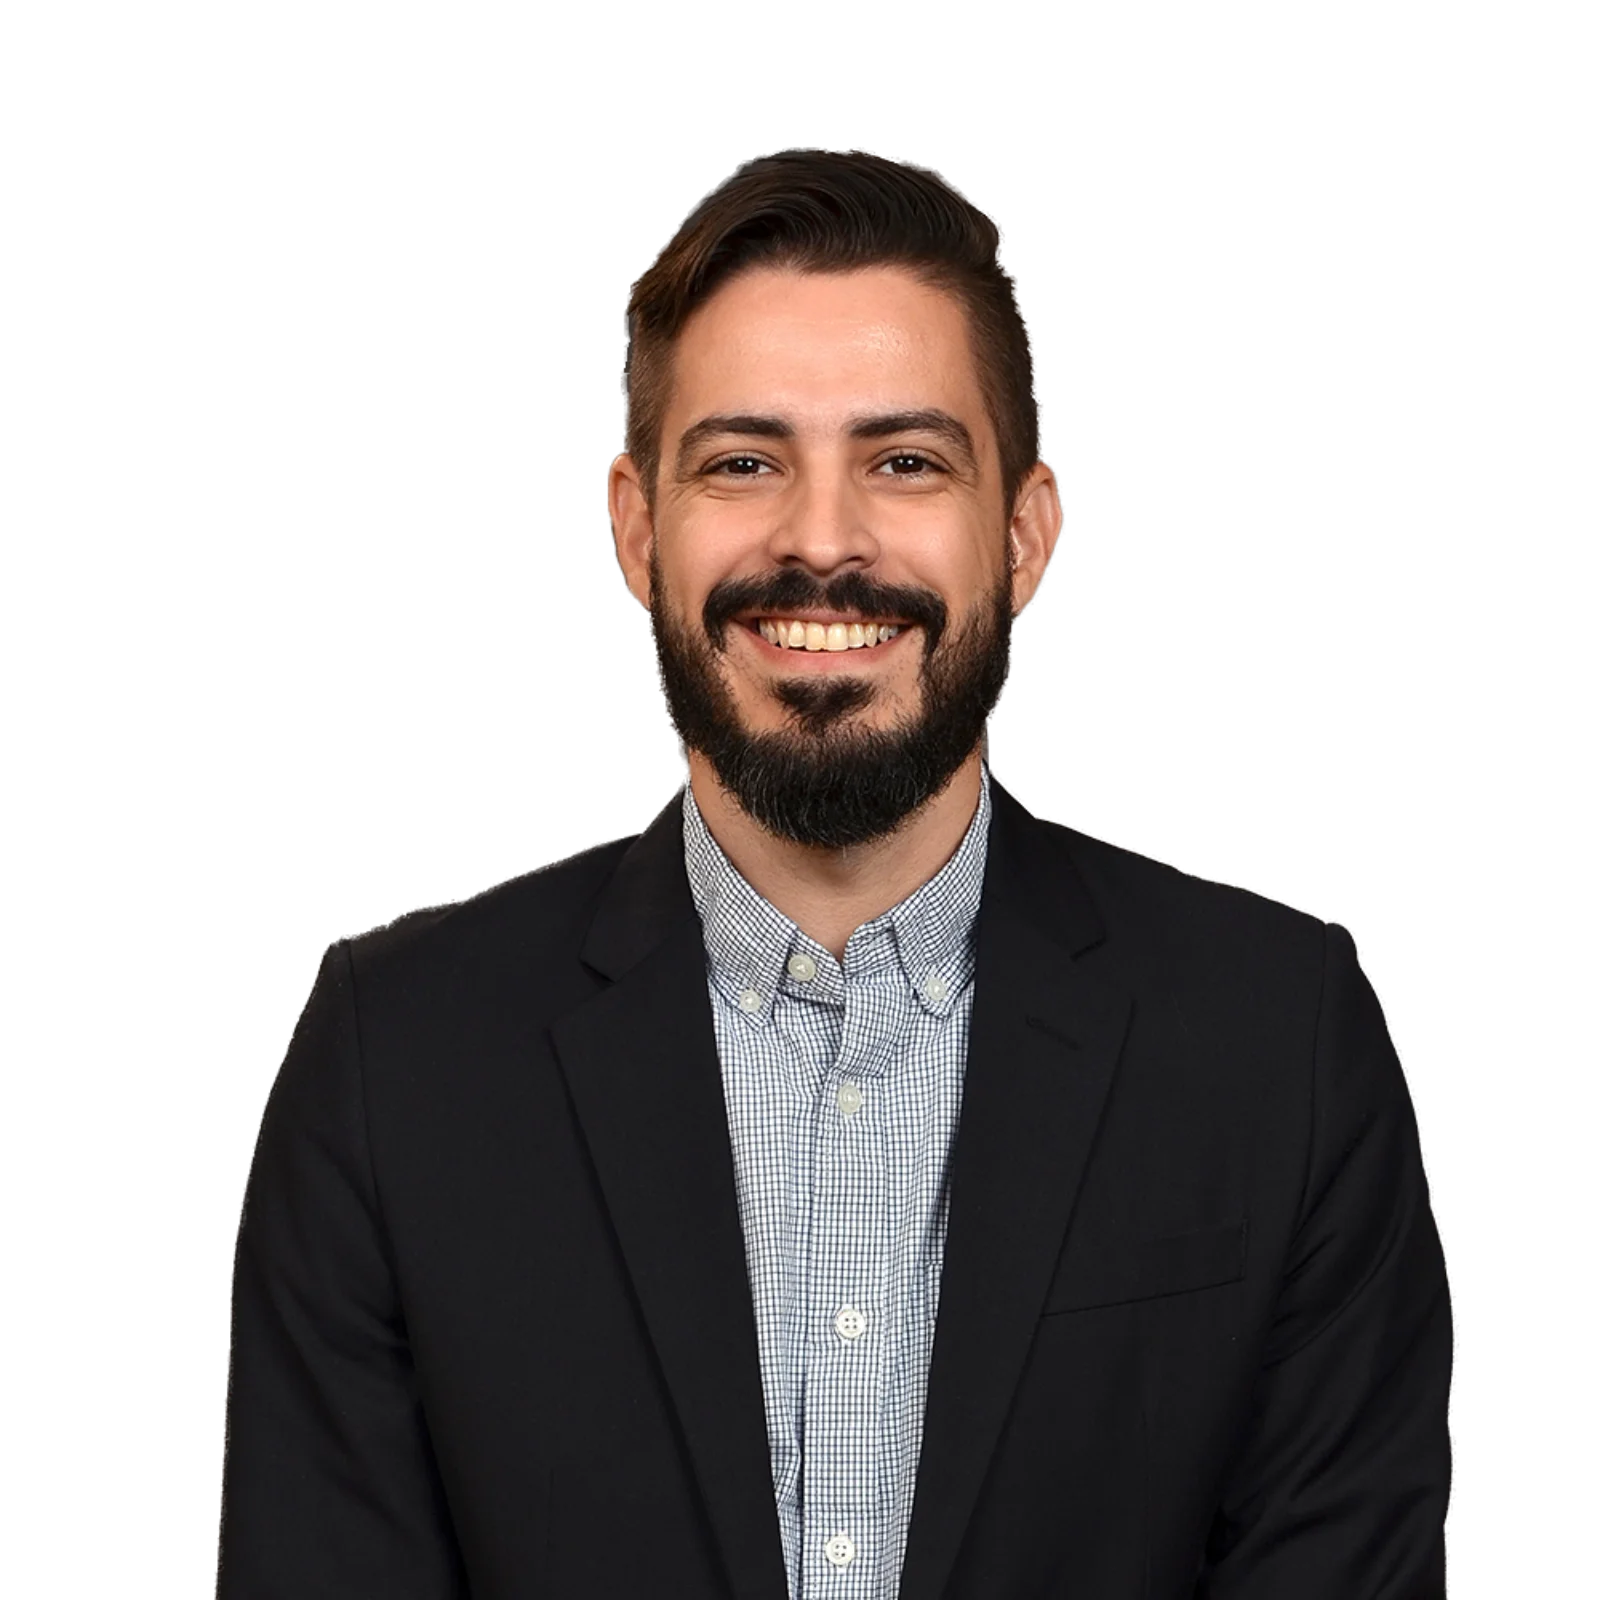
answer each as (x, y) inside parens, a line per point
(1036, 532)
(633, 528)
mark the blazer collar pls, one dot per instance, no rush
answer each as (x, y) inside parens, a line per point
(1029, 873)
(640, 1059)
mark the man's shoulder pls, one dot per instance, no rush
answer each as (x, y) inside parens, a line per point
(535, 913)
(1151, 911)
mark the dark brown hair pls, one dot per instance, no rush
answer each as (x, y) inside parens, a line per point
(829, 211)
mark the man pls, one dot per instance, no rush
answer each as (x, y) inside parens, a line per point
(851, 1186)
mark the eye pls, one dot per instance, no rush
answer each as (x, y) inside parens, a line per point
(740, 466)
(911, 455)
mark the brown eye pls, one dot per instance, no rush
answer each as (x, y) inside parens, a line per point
(907, 465)
(739, 466)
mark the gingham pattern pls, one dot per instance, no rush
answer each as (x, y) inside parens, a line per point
(842, 1200)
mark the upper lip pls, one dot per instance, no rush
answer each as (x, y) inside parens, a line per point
(812, 614)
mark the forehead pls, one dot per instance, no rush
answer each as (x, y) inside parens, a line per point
(821, 345)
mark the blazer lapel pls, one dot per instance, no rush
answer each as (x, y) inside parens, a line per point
(640, 1059)
(1043, 1048)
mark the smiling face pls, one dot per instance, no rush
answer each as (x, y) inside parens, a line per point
(827, 551)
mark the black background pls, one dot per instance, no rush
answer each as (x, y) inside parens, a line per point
(434, 676)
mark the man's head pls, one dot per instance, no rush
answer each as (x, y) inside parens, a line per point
(831, 500)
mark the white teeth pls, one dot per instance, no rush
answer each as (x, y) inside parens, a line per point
(794, 635)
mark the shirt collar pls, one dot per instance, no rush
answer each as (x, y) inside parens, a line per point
(752, 948)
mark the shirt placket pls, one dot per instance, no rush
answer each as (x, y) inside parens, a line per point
(847, 1336)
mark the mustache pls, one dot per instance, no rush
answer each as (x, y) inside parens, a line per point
(850, 596)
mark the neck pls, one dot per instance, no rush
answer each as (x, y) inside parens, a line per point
(829, 893)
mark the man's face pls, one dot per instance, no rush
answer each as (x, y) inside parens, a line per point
(829, 560)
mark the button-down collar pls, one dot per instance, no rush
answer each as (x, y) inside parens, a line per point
(754, 950)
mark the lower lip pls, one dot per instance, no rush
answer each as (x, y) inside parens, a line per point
(822, 660)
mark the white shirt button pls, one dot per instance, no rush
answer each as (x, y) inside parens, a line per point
(840, 1549)
(934, 988)
(849, 1099)
(801, 967)
(850, 1323)
(750, 1000)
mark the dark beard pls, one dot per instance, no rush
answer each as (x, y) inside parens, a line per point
(819, 781)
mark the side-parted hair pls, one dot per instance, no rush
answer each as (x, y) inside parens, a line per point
(831, 211)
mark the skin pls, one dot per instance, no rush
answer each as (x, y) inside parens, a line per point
(776, 451)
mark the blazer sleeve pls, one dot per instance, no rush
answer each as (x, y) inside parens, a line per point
(330, 1491)
(1338, 1488)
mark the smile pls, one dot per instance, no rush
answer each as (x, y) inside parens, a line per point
(799, 658)
(798, 634)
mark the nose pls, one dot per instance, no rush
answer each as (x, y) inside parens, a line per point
(825, 527)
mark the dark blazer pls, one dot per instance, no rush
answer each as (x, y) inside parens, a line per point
(493, 1334)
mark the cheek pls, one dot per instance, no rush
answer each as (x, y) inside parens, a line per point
(699, 552)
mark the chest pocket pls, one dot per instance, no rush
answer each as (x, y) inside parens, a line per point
(1141, 1269)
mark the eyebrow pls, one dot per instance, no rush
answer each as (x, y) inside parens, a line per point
(880, 425)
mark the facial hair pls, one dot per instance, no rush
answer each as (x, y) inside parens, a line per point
(820, 780)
